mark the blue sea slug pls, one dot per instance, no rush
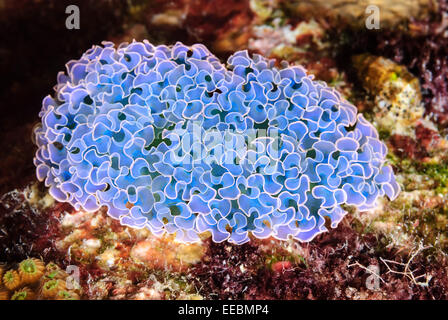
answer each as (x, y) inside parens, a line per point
(170, 139)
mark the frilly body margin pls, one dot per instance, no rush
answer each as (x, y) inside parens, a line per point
(114, 135)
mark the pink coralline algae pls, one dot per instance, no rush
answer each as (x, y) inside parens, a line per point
(170, 139)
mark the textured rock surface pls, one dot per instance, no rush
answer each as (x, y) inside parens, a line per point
(392, 13)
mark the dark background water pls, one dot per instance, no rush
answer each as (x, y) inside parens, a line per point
(35, 45)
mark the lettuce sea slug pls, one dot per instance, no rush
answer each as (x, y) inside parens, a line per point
(170, 139)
